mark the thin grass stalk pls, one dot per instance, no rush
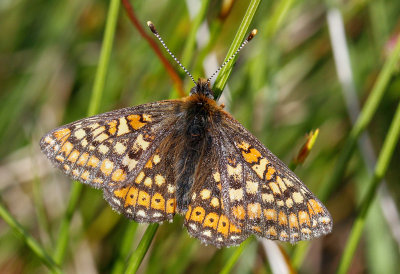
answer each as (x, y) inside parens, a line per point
(29, 240)
(362, 122)
(225, 72)
(94, 104)
(235, 256)
(137, 257)
(380, 170)
(126, 244)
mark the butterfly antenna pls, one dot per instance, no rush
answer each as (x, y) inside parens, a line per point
(248, 39)
(155, 32)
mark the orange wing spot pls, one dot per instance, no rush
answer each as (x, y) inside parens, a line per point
(62, 134)
(198, 214)
(219, 186)
(271, 171)
(60, 158)
(134, 121)
(140, 177)
(85, 175)
(171, 205)
(315, 206)
(238, 212)
(149, 164)
(272, 232)
(121, 193)
(234, 229)
(131, 198)
(67, 148)
(256, 228)
(93, 161)
(83, 159)
(106, 167)
(144, 199)
(254, 210)
(252, 156)
(113, 127)
(270, 214)
(118, 175)
(293, 221)
(73, 156)
(223, 225)
(211, 220)
(188, 212)
(282, 218)
(304, 218)
(158, 201)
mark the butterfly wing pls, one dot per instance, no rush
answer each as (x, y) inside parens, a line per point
(262, 195)
(110, 149)
(205, 218)
(150, 197)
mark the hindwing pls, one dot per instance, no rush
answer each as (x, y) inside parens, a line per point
(206, 217)
(262, 195)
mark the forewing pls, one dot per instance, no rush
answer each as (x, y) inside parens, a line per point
(205, 218)
(110, 149)
(263, 195)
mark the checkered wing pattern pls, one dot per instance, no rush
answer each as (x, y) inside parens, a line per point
(111, 149)
(150, 196)
(262, 195)
(206, 217)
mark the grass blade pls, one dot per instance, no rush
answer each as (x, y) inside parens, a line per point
(29, 240)
(380, 170)
(97, 92)
(137, 256)
(225, 72)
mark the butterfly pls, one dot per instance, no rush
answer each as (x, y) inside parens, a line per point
(191, 157)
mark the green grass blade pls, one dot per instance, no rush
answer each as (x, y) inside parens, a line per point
(235, 257)
(362, 122)
(380, 170)
(126, 244)
(29, 240)
(225, 72)
(97, 92)
(137, 256)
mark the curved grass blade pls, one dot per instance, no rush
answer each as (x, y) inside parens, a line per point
(97, 92)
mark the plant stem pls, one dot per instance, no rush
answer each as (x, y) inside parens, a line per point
(29, 240)
(380, 170)
(97, 92)
(235, 257)
(137, 256)
(225, 72)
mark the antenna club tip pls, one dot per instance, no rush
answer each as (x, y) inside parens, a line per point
(252, 34)
(151, 26)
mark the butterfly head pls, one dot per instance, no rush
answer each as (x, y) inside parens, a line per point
(202, 87)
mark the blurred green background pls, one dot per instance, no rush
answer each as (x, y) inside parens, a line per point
(284, 84)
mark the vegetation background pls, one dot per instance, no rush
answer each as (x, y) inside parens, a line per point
(314, 64)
